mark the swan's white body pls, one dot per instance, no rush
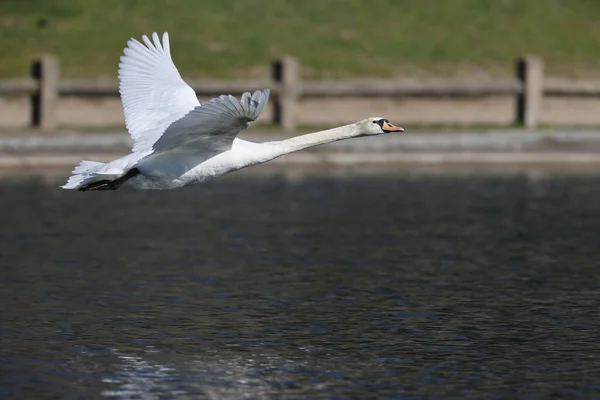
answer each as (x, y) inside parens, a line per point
(177, 140)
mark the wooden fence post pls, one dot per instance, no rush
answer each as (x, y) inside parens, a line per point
(46, 70)
(286, 73)
(530, 72)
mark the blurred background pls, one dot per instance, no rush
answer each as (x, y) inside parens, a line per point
(425, 64)
(457, 260)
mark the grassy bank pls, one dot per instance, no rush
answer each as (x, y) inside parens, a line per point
(333, 38)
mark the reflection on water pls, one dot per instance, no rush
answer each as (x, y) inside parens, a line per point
(258, 286)
(215, 376)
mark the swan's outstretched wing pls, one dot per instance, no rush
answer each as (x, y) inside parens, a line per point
(153, 93)
(212, 127)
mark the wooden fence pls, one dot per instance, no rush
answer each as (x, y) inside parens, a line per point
(528, 86)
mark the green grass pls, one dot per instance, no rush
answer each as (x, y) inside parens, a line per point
(332, 38)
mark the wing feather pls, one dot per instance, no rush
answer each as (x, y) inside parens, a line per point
(212, 126)
(152, 91)
(162, 112)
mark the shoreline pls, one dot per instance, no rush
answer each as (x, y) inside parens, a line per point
(498, 147)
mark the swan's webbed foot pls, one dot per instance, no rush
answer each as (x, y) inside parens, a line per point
(99, 185)
(108, 184)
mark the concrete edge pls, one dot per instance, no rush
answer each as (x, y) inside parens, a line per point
(341, 159)
(500, 140)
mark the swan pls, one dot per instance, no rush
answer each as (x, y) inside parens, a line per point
(177, 141)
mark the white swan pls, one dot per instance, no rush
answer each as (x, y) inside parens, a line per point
(177, 140)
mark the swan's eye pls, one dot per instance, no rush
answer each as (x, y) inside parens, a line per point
(375, 122)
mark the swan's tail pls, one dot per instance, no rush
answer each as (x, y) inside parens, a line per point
(92, 175)
(83, 174)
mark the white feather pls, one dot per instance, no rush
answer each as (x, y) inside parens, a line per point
(152, 91)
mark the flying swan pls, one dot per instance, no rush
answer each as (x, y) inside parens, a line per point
(177, 141)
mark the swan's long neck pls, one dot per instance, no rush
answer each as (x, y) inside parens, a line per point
(316, 139)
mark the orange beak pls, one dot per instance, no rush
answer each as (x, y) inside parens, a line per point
(387, 127)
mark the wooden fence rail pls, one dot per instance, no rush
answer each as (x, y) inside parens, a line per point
(528, 86)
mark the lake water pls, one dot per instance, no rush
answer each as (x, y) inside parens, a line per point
(377, 285)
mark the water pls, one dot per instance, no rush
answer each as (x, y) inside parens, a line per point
(403, 286)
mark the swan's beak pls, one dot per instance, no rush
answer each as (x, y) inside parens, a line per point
(387, 127)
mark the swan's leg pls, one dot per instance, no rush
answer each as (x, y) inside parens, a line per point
(98, 185)
(110, 185)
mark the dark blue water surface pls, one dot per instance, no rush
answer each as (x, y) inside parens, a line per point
(399, 286)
